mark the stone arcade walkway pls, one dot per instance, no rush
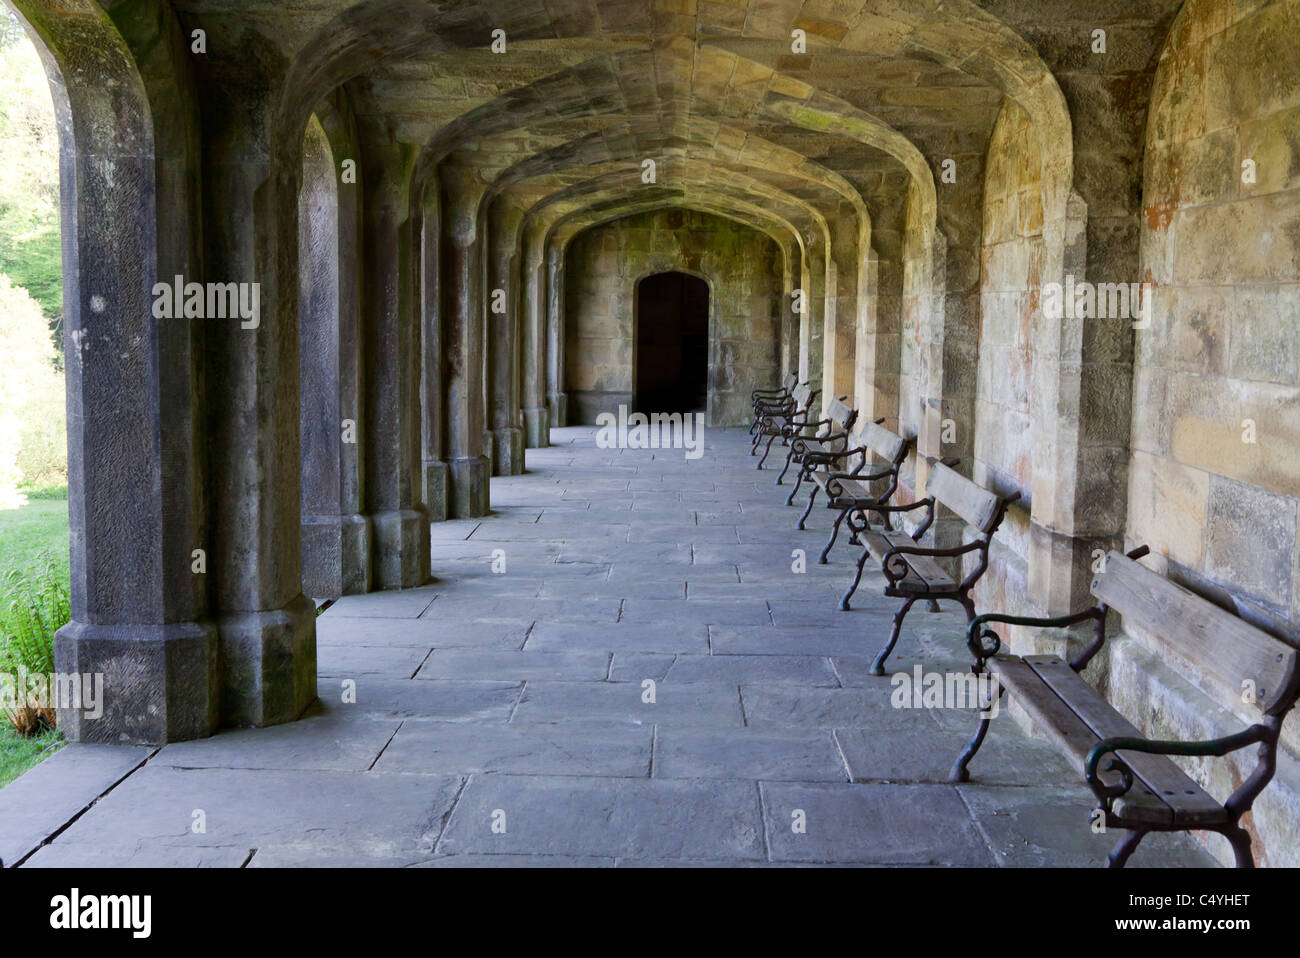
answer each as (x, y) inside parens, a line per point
(520, 695)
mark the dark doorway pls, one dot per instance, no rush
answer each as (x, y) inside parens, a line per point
(672, 343)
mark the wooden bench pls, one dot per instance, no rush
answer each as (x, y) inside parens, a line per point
(846, 491)
(911, 571)
(1138, 787)
(772, 400)
(775, 424)
(811, 449)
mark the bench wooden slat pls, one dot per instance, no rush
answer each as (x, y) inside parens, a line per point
(923, 573)
(1190, 804)
(1227, 649)
(1070, 734)
(976, 505)
(885, 444)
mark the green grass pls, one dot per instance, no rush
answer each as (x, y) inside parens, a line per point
(30, 537)
(18, 754)
(39, 527)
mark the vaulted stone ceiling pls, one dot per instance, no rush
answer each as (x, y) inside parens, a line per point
(710, 90)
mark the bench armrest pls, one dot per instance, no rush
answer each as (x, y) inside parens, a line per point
(795, 426)
(1215, 747)
(896, 571)
(828, 453)
(976, 633)
(858, 474)
(860, 525)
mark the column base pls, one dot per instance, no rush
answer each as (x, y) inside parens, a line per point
(489, 453)
(557, 404)
(160, 682)
(401, 553)
(469, 487)
(435, 490)
(268, 664)
(537, 428)
(335, 555)
(508, 451)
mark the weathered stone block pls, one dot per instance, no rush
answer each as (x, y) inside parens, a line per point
(268, 662)
(160, 683)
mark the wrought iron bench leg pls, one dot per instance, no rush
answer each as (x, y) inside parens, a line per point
(862, 560)
(803, 470)
(835, 531)
(1239, 838)
(960, 773)
(770, 440)
(812, 497)
(789, 457)
(878, 666)
(1127, 845)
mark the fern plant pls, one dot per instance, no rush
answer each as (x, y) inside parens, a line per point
(34, 604)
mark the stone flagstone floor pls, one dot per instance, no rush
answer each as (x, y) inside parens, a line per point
(515, 700)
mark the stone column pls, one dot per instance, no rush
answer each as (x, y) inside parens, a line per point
(267, 626)
(814, 299)
(434, 471)
(135, 486)
(841, 321)
(461, 284)
(335, 535)
(789, 319)
(503, 309)
(537, 421)
(556, 401)
(392, 351)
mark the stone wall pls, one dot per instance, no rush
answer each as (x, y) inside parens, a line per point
(1011, 263)
(1215, 453)
(744, 270)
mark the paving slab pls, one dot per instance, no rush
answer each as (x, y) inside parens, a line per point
(449, 700)
(41, 801)
(619, 637)
(801, 755)
(336, 738)
(559, 749)
(802, 670)
(697, 703)
(871, 824)
(423, 634)
(515, 666)
(602, 817)
(395, 604)
(162, 806)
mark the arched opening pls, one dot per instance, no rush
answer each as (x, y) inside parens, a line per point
(671, 355)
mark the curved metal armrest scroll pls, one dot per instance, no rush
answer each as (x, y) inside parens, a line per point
(976, 633)
(895, 567)
(1215, 747)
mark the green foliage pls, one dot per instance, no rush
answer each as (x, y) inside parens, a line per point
(33, 408)
(30, 248)
(34, 604)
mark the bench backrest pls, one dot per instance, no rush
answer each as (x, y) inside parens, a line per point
(790, 383)
(974, 503)
(1227, 650)
(802, 395)
(890, 447)
(841, 416)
